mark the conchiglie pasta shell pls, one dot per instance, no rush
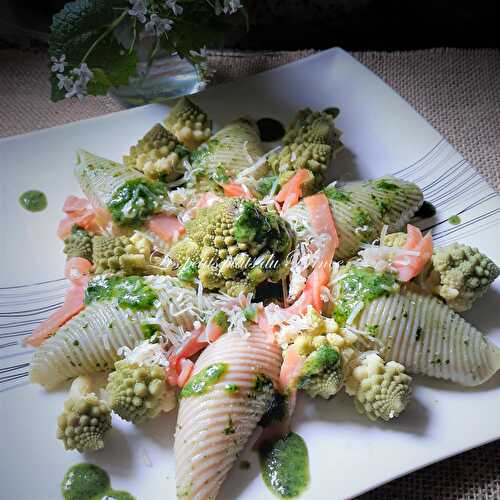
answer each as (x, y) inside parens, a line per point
(99, 177)
(427, 337)
(204, 454)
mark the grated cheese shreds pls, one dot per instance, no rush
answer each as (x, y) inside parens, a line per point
(144, 354)
(234, 307)
(358, 307)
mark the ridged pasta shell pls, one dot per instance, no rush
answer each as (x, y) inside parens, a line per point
(89, 342)
(363, 202)
(204, 453)
(427, 337)
(234, 148)
(99, 177)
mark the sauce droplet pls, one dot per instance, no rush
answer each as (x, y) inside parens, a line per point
(285, 465)
(270, 130)
(84, 481)
(33, 201)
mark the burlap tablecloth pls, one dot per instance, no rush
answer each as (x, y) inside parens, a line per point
(456, 90)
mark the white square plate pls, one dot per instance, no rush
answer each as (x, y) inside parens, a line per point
(348, 454)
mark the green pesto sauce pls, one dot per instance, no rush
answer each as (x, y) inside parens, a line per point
(387, 185)
(204, 380)
(285, 466)
(131, 292)
(337, 194)
(188, 272)
(149, 330)
(270, 130)
(323, 358)
(136, 200)
(265, 184)
(251, 224)
(361, 218)
(33, 201)
(90, 482)
(426, 210)
(455, 220)
(361, 284)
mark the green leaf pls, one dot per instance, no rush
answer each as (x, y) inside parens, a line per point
(79, 25)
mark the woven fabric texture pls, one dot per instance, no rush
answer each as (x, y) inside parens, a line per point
(456, 90)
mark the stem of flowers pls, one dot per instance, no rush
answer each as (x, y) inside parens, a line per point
(151, 56)
(111, 27)
(133, 38)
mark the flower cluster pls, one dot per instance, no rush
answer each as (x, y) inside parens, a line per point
(75, 83)
(151, 20)
(164, 20)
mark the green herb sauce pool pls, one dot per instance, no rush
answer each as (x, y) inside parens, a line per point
(90, 482)
(33, 201)
(285, 465)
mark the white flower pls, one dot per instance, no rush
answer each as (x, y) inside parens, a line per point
(138, 10)
(83, 73)
(58, 64)
(77, 90)
(228, 7)
(158, 24)
(176, 9)
(64, 82)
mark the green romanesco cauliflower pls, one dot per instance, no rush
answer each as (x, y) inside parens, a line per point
(78, 244)
(189, 123)
(159, 155)
(381, 390)
(462, 275)
(314, 157)
(125, 256)
(85, 418)
(322, 373)
(395, 240)
(236, 245)
(327, 349)
(313, 127)
(137, 390)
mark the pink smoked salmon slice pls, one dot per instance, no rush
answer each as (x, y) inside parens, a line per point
(291, 192)
(73, 304)
(321, 219)
(167, 227)
(236, 191)
(74, 205)
(77, 270)
(409, 265)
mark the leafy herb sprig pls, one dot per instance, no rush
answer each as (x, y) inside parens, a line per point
(93, 44)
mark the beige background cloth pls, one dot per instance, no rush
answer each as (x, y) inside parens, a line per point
(456, 90)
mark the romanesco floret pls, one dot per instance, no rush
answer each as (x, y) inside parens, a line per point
(78, 244)
(158, 155)
(381, 390)
(236, 245)
(395, 240)
(137, 390)
(189, 123)
(125, 256)
(314, 157)
(85, 418)
(464, 275)
(322, 373)
(311, 127)
(328, 350)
